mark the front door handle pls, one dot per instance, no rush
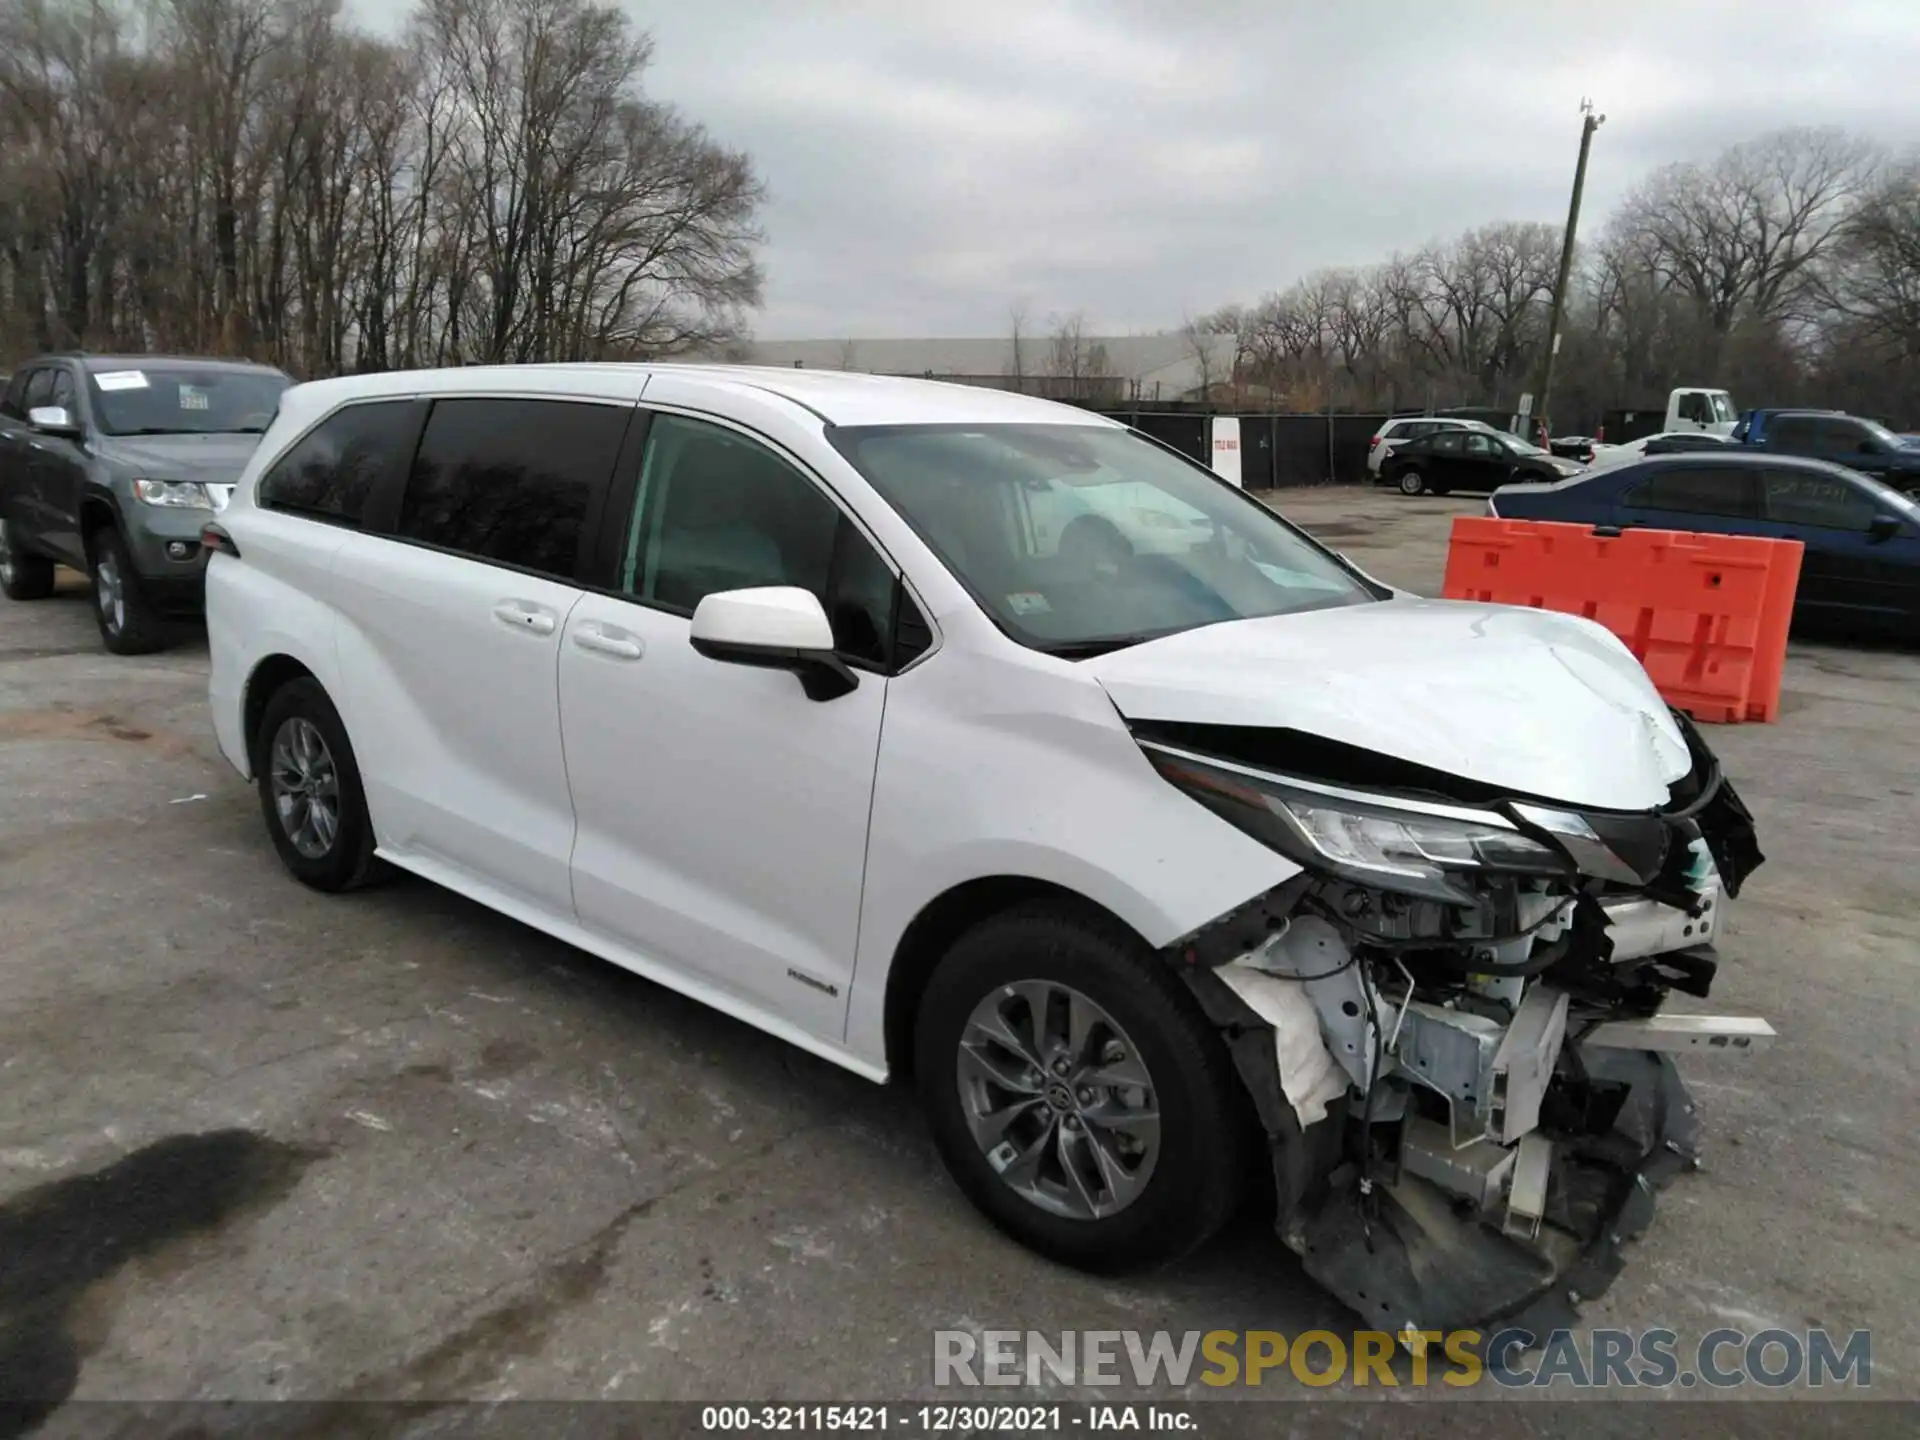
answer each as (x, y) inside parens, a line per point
(520, 615)
(602, 641)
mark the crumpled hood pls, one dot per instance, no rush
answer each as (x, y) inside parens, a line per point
(214, 459)
(1526, 700)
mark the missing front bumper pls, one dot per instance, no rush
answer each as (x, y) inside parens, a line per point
(1414, 1256)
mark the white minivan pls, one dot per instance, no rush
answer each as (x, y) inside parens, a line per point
(955, 734)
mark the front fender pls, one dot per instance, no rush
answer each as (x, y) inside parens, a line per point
(993, 767)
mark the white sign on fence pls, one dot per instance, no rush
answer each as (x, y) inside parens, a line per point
(1226, 448)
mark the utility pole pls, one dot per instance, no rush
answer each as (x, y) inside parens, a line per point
(1589, 122)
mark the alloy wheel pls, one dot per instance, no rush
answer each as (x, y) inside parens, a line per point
(1058, 1099)
(306, 787)
(111, 591)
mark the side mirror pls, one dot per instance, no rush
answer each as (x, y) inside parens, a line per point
(54, 420)
(775, 627)
(1883, 527)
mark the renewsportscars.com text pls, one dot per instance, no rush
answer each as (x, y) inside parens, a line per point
(1575, 1359)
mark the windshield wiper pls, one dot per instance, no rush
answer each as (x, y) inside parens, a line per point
(1087, 649)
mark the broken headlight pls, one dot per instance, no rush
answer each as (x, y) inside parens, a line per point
(1409, 846)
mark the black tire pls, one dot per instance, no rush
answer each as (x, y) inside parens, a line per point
(1205, 1118)
(1410, 481)
(23, 576)
(131, 626)
(347, 862)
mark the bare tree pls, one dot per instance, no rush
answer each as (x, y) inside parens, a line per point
(1200, 340)
(1018, 322)
(1071, 355)
(258, 176)
(1745, 234)
(1875, 282)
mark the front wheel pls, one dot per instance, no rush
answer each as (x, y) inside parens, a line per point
(1412, 482)
(1076, 1092)
(23, 576)
(128, 622)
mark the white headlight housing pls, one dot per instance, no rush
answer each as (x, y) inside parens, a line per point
(1410, 846)
(173, 494)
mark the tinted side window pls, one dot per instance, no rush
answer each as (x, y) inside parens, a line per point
(39, 388)
(1843, 437)
(64, 392)
(1478, 445)
(1698, 490)
(1791, 432)
(512, 480)
(1447, 442)
(332, 470)
(1806, 497)
(718, 511)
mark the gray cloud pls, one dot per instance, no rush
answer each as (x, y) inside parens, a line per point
(932, 162)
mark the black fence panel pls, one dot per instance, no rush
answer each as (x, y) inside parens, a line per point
(1276, 451)
(1299, 450)
(1350, 436)
(1256, 452)
(1184, 432)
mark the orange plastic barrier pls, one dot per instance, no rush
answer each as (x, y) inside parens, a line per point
(1706, 615)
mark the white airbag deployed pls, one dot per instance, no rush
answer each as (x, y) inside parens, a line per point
(1310, 1077)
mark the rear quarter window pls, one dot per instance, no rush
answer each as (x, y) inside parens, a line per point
(332, 472)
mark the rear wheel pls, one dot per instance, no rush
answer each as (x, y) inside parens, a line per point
(1411, 481)
(1076, 1093)
(128, 622)
(310, 791)
(23, 576)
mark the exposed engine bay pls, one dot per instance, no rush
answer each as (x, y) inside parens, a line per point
(1451, 1024)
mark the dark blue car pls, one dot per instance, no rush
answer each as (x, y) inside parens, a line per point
(1861, 567)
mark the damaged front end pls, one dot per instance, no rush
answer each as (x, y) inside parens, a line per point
(1451, 1023)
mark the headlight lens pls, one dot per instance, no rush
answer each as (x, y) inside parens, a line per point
(1395, 845)
(176, 494)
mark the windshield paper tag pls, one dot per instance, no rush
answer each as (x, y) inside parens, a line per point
(1027, 602)
(192, 399)
(122, 380)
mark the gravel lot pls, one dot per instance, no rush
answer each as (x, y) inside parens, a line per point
(467, 1161)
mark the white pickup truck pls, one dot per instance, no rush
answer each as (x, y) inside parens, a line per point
(1689, 408)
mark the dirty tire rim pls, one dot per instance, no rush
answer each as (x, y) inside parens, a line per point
(1411, 483)
(1058, 1099)
(6, 555)
(306, 787)
(111, 591)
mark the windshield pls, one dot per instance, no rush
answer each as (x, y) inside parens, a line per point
(1896, 500)
(1523, 447)
(182, 400)
(1722, 405)
(1881, 433)
(1078, 539)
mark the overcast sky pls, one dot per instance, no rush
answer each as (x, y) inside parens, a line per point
(931, 161)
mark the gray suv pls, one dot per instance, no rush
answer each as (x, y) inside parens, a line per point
(111, 464)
